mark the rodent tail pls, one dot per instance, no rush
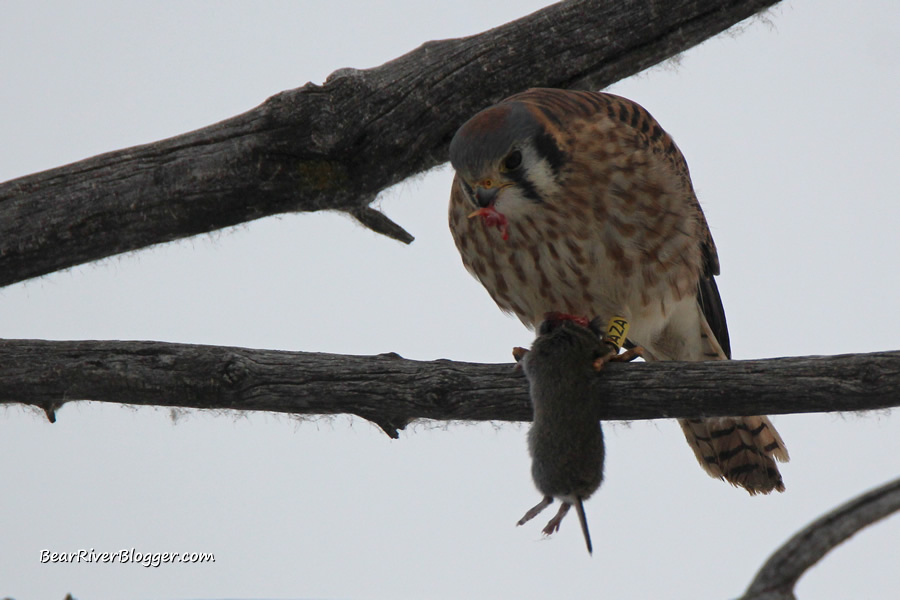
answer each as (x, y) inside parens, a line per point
(740, 450)
(582, 518)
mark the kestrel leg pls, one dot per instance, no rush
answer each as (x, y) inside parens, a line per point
(627, 356)
(614, 338)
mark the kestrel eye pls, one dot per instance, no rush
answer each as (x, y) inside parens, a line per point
(512, 161)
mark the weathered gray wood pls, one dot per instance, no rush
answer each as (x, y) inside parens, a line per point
(777, 578)
(391, 391)
(335, 146)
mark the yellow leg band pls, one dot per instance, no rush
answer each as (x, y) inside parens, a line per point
(617, 331)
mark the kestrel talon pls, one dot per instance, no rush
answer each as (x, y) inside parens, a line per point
(580, 203)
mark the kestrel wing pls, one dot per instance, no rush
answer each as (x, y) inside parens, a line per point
(709, 299)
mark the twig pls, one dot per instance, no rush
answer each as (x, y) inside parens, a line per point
(777, 578)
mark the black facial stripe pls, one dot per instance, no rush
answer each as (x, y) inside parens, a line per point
(546, 147)
(524, 184)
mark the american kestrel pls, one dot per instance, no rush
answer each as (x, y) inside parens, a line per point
(579, 203)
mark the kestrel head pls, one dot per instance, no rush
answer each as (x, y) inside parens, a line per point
(506, 159)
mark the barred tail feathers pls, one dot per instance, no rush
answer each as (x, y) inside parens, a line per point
(740, 450)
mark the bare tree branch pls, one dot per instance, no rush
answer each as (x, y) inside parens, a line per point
(391, 391)
(335, 146)
(777, 578)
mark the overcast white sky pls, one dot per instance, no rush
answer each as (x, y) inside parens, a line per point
(791, 131)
